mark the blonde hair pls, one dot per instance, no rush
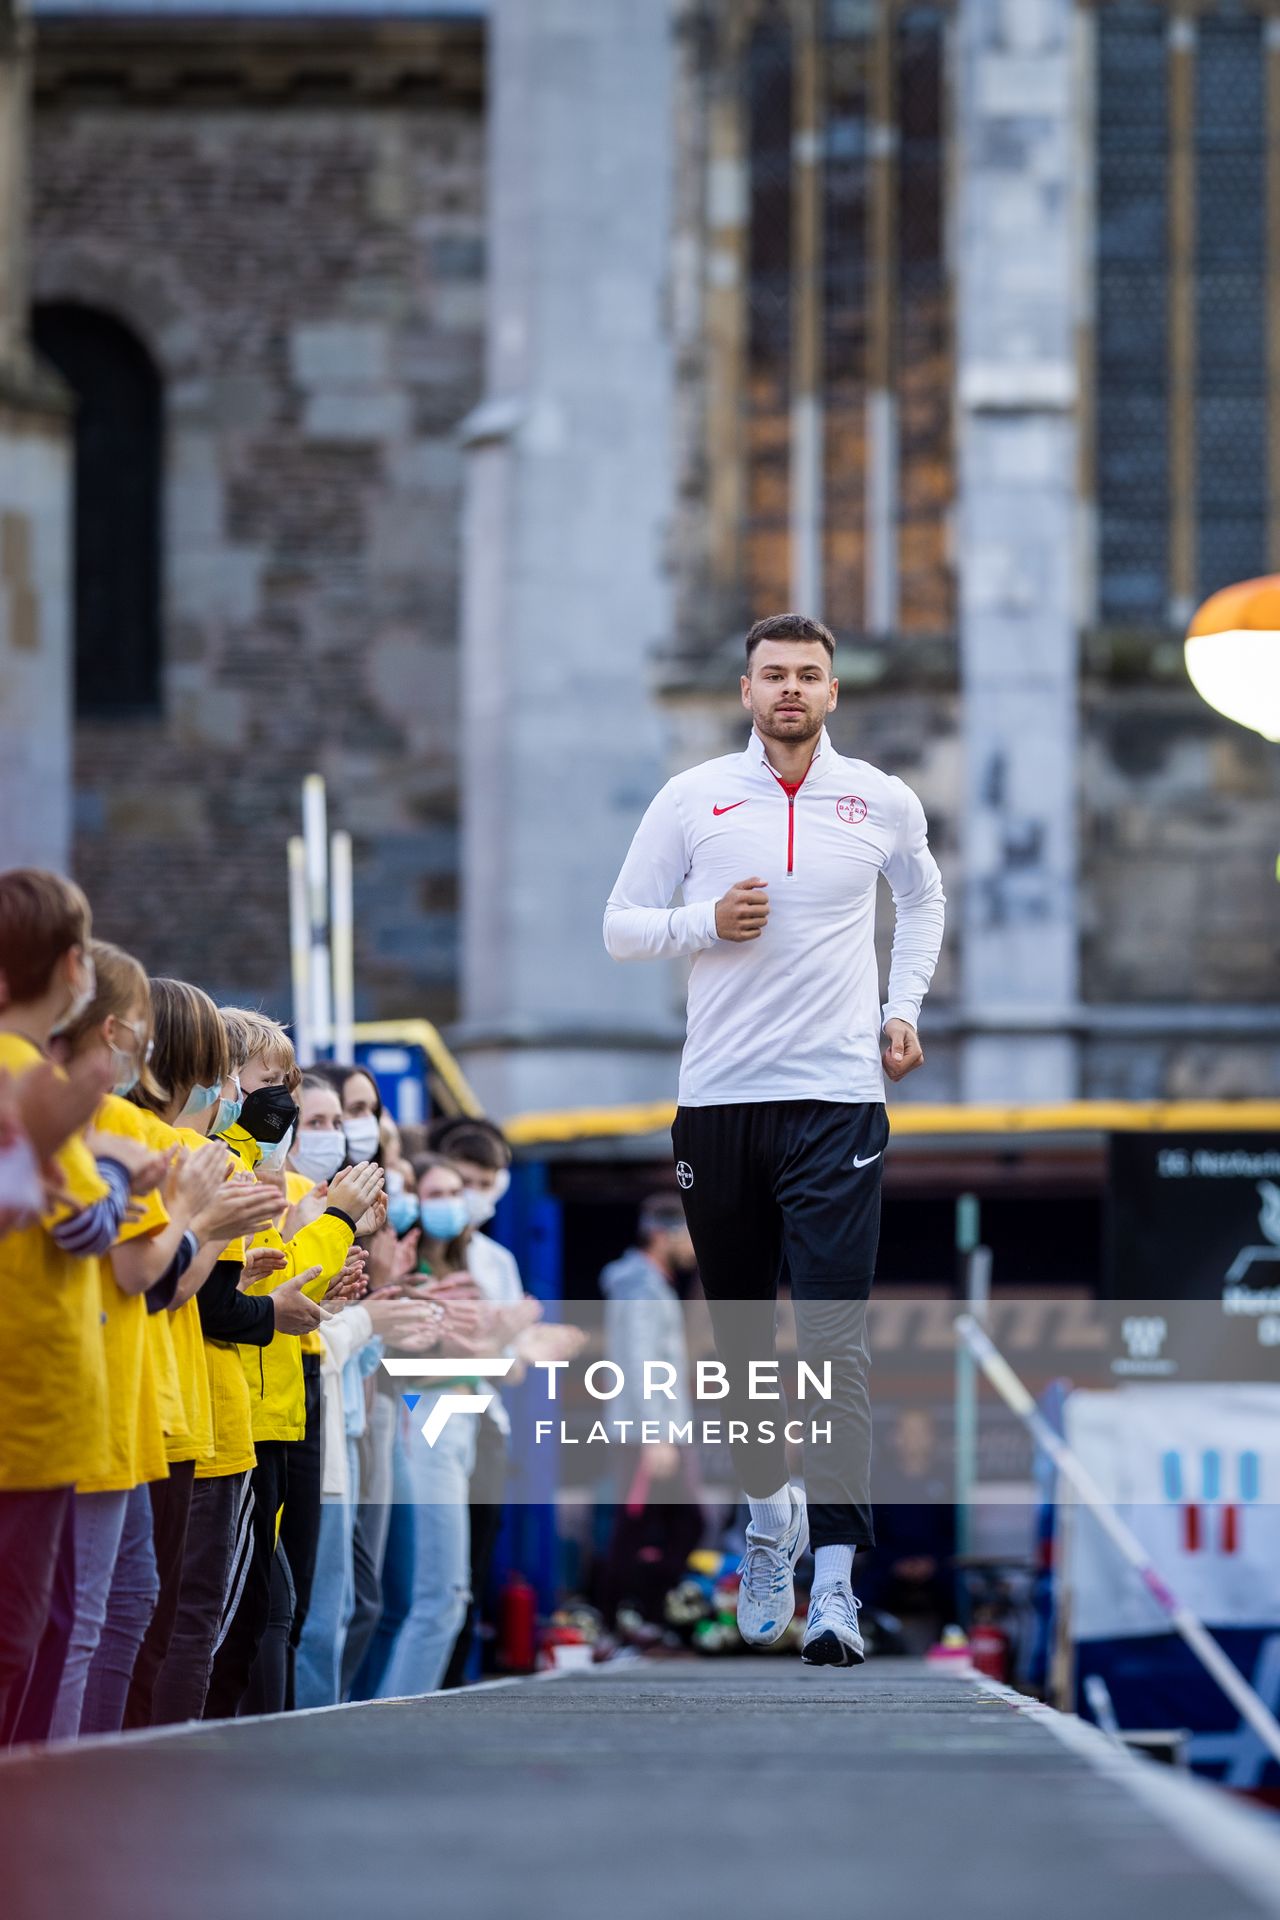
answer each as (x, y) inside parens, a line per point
(255, 1036)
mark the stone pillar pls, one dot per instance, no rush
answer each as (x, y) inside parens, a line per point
(566, 590)
(35, 521)
(1016, 301)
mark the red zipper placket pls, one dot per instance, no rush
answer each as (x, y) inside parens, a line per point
(791, 789)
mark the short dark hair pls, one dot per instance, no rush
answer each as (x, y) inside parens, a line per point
(338, 1072)
(659, 1213)
(471, 1137)
(42, 916)
(791, 626)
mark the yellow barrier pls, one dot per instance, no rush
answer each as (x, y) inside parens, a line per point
(1077, 1116)
(922, 1119)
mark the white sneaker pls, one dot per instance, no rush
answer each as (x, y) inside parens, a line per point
(767, 1589)
(831, 1636)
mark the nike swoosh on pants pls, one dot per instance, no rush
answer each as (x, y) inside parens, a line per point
(867, 1162)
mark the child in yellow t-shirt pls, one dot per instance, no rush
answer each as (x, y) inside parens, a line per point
(284, 1382)
(53, 1372)
(208, 1429)
(116, 1578)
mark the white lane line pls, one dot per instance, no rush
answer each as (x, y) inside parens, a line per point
(133, 1736)
(1238, 1842)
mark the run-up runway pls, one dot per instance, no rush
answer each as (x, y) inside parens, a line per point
(750, 1787)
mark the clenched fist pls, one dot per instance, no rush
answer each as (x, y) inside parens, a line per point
(742, 912)
(904, 1052)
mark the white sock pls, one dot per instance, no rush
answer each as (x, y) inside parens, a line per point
(772, 1516)
(832, 1567)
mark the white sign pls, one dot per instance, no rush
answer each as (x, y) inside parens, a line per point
(1195, 1471)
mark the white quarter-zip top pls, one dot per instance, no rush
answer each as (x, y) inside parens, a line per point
(796, 1014)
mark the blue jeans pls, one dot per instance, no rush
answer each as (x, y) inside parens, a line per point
(439, 1479)
(390, 1532)
(318, 1669)
(116, 1592)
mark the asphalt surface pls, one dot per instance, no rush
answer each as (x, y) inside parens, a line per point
(752, 1787)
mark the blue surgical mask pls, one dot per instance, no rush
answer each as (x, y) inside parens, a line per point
(445, 1219)
(228, 1111)
(199, 1099)
(402, 1211)
(126, 1065)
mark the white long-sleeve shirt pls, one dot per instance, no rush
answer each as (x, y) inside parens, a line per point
(341, 1337)
(796, 1014)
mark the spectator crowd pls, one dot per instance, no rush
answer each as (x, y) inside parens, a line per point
(213, 1498)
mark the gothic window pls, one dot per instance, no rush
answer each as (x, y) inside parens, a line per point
(1187, 271)
(1230, 302)
(843, 372)
(118, 422)
(767, 402)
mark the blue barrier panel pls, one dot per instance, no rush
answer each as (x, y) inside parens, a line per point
(401, 1076)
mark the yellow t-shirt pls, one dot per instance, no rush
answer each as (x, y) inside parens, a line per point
(53, 1369)
(136, 1432)
(233, 1450)
(195, 1441)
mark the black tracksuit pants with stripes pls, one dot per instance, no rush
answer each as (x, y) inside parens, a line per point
(789, 1191)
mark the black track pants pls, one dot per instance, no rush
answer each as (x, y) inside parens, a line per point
(790, 1190)
(246, 1614)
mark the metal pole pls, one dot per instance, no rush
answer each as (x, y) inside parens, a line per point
(315, 834)
(342, 945)
(300, 951)
(1249, 1704)
(968, 1227)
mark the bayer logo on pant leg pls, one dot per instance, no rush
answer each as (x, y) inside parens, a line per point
(684, 1174)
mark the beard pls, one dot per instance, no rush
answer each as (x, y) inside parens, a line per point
(792, 727)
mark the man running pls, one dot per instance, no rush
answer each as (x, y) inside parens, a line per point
(781, 1125)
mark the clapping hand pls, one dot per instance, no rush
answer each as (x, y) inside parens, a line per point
(258, 1263)
(351, 1283)
(547, 1341)
(354, 1191)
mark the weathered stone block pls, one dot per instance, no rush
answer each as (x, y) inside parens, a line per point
(340, 353)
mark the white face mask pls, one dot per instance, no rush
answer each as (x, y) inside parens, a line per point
(319, 1152)
(362, 1135)
(482, 1206)
(80, 1001)
(274, 1157)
